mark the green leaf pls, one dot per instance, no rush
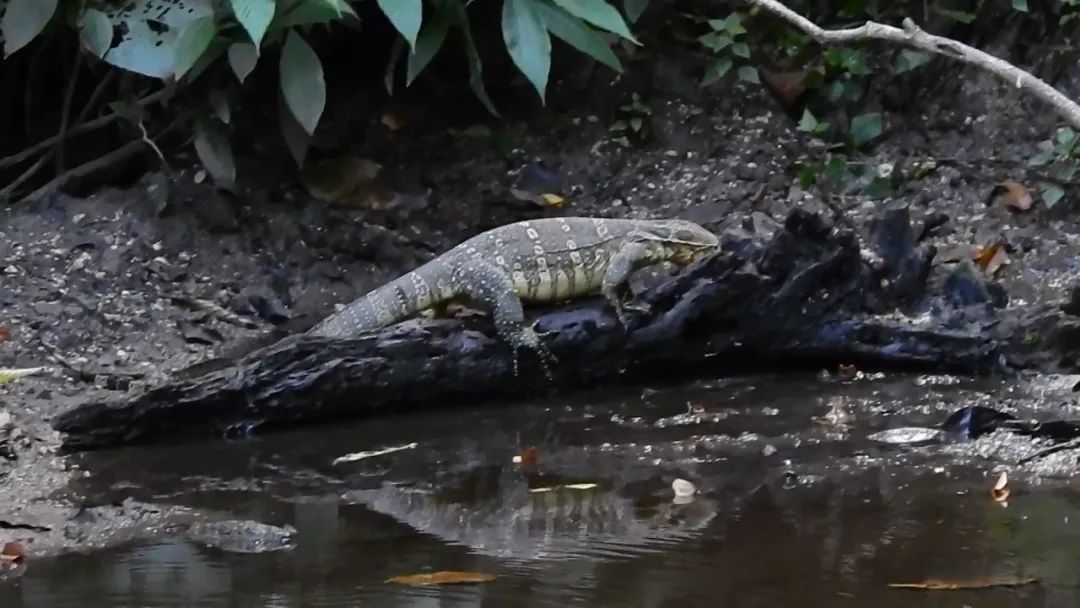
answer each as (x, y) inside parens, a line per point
(302, 81)
(716, 71)
(715, 41)
(961, 16)
(749, 74)
(636, 124)
(527, 41)
(96, 32)
(405, 15)
(730, 24)
(1066, 139)
(634, 8)
(909, 60)
(152, 48)
(429, 41)
(215, 153)
(476, 66)
(23, 21)
(192, 43)
(866, 127)
(242, 58)
(600, 14)
(296, 139)
(741, 49)
(255, 16)
(808, 122)
(1020, 5)
(580, 36)
(218, 47)
(305, 12)
(1052, 195)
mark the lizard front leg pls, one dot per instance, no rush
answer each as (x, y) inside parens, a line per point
(490, 288)
(616, 284)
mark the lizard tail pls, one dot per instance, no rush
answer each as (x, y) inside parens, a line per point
(395, 301)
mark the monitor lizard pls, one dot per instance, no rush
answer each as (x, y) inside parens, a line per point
(533, 261)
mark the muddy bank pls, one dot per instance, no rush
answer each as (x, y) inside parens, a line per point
(128, 287)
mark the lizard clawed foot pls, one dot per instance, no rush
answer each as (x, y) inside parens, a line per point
(530, 339)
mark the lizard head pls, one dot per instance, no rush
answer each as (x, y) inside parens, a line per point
(686, 241)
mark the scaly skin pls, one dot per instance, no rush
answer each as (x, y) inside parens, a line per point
(534, 261)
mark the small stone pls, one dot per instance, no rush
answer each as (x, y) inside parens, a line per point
(6, 423)
(683, 488)
(768, 450)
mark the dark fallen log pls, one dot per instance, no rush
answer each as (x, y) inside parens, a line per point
(797, 294)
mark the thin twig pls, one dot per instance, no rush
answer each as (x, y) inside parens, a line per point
(10, 189)
(122, 153)
(913, 36)
(65, 112)
(1061, 447)
(97, 123)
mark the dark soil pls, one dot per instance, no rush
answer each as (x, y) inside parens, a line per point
(133, 284)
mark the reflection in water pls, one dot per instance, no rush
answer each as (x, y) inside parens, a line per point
(791, 512)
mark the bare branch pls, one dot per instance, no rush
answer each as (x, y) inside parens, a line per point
(913, 36)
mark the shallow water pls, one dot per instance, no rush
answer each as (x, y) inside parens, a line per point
(795, 506)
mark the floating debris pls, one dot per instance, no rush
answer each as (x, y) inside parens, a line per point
(907, 435)
(443, 577)
(371, 454)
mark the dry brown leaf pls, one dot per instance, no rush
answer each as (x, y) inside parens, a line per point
(1015, 194)
(392, 121)
(1000, 491)
(553, 200)
(847, 369)
(526, 457)
(991, 258)
(787, 86)
(443, 577)
(11, 552)
(985, 583)
(347, 179)
(5, 333)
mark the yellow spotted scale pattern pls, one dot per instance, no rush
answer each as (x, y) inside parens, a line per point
(543, 260)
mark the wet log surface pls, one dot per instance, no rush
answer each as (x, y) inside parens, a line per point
(804, 293)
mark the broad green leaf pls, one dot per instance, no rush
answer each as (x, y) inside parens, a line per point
(405, 15)
(527, 41)
(296, 139)
(634, 8)
(1041, 158)
(218, 47)
(580, 36)
(730, 24)
(910, 59)
(961, 16)
(429, 41)
(600, 14)
(866, 127)
(147, 48)
(808, 122)
(215, 153)
(192, 43)
(302, 81)
(255, 16)
(23, 21)
(1052, 195)
(741, 49)
(476, 67)
(242, 59)
(304, 12)
(96, 32)
(716, 71)
(1020, 5)
(1066, 139)
(716, 41)
(749, 74)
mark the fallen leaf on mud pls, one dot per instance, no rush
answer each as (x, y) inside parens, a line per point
(683, 488)
(392, 121)
(444, 577)
(11, 553)
(553, 200)
(581, 486)
(991, 258)
(527, 457)
(1015, 195)
(787, 86)
(353, 457)
(5, 333)
(1000, 491)
(847, 370)
(12, 374)
(986, 583)
(347, 180)
(907, 434)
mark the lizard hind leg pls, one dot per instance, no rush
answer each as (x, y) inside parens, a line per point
(616, 283)
(492, 289)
